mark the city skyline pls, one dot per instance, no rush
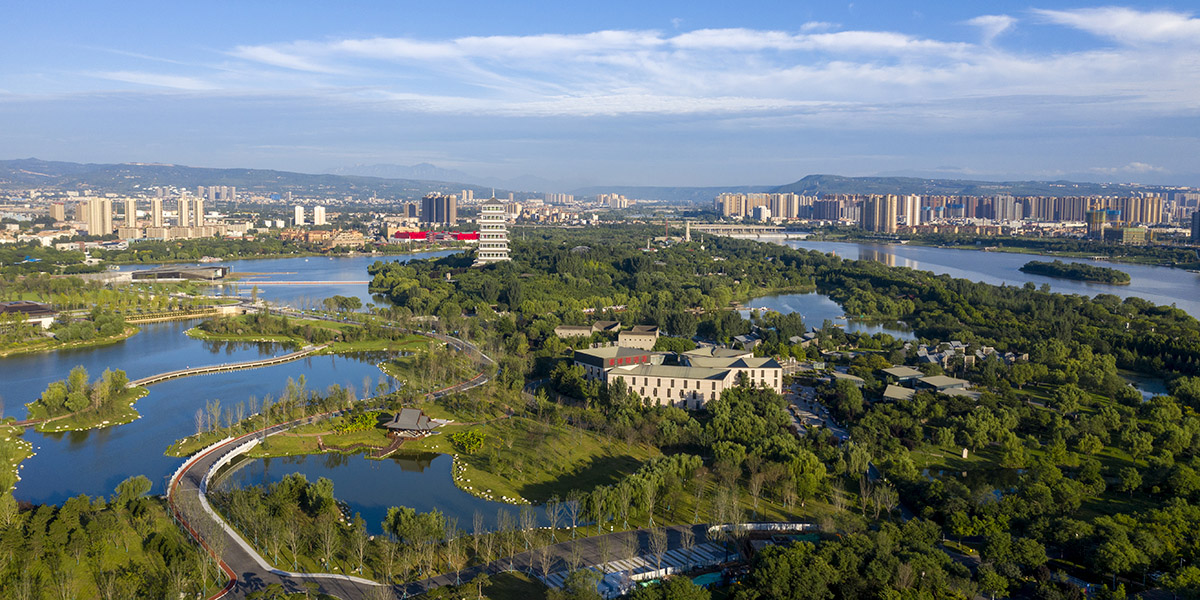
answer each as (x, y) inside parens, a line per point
(671, 94)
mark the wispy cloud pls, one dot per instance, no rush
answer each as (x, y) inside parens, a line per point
(1133, 168)
(991, 26)
(1128, 25)
(159, 80)
(818, 68)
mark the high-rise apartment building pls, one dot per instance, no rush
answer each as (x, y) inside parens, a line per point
(879, 213)
(298, 219)
(99, 216)
(184, 215)
(1007, 208)
(58, 211)
(156, 212)
(198, 213)
(1196, 227)
(318, 215)
(910, 210)
(439, 209)
(130, 212)
(493, 233)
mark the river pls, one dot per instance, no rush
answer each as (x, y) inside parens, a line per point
(1160, 285)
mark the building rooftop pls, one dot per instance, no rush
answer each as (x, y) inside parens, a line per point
(612, 352)
(410, 419)
(762, 362)
(673, 371)
(902, 372)
(944, 381)
(644, 329)
(26, 307)
(718, 352)
(895, 392)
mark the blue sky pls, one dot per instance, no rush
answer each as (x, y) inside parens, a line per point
(654, 93)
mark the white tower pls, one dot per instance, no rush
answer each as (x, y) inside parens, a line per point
(493, 233)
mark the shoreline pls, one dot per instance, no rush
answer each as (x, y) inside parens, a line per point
(1004, 249)
(130, 331)
(353, 254)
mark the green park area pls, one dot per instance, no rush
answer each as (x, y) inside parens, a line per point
(125, 546)
(341, 337)
(76, 404)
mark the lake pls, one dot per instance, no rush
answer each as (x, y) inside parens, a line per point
(94, 462)
(421, 481)
(329, 269)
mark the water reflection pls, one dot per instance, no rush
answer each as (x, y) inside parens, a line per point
(816, 309)
(419, 480)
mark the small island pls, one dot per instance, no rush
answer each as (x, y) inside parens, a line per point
(1077, 271)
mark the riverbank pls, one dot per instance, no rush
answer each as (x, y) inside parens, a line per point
(352, 254)
(13, 451)
(408, 343)
(53, 345)
(996, 244)
(120, 412)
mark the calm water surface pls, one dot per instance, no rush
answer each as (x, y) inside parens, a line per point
(1160, 285)
(94, 462)
(308, 269)
(422, 481)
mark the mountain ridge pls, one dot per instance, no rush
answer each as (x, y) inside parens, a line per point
(129, 177)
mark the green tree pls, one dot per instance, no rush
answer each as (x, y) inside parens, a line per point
(672, 588)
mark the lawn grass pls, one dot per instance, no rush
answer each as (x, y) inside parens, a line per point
(512, 585)
(13, 451)
(527, 460)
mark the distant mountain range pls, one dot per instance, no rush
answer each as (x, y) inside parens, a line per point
(426, 171)
(131, 177)
(396, 181)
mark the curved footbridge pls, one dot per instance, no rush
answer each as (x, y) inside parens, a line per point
(250, 364)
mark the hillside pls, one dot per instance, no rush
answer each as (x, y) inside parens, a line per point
(131, 177)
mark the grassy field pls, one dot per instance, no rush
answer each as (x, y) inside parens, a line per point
(13, 451)
(121, 412)
(526, 460)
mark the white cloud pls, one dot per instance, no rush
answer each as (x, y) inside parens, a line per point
(992, 26)
(1127, 25)
(1135, 168)
(177, 82)
(871, 77)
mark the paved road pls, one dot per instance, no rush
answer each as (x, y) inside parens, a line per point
(250, 571)
(247, 570)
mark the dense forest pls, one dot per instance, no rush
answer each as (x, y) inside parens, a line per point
(573, 277)
(1076, 271)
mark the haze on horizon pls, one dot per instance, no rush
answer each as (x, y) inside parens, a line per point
(626, 93)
